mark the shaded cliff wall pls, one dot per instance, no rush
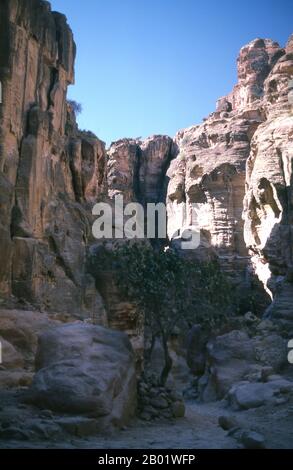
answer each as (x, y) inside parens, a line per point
(136, 170)
(49, 171)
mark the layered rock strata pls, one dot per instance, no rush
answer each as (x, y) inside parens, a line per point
(232, 177)
(49, 171)
(268, 199)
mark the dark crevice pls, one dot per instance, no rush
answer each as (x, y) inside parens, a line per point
(163, 179)
(60, 261)
(137, 190)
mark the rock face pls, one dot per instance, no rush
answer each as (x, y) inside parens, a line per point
(235, 356)
(210, 168)
(268, 200)
(137, 169)
(86, 369)
(49, 171)
(245, 143)
(19, 331)
(230, 177)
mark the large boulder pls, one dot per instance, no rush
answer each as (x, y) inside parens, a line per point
(235, 356)
(255, 394)
(86, 369)
(19, 331)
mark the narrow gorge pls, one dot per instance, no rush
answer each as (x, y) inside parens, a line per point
(72, 353)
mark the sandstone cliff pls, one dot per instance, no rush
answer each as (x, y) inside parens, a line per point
(49, 170)
(242, 152)
(231, 176)
(52, 173)
(137, 169)
(268, 198)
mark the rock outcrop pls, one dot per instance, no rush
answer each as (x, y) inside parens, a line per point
(88, 370)
(49, 171)
(210, 168)
(243, 152)
(235, 357)
(137, 169)
(19, 332)
(229, 177)
(268, 199)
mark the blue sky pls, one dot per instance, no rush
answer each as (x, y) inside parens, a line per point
(156, 66)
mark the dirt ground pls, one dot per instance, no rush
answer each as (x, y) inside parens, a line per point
(199, 429)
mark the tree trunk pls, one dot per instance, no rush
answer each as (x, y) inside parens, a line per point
(168, 362)
(148, 351)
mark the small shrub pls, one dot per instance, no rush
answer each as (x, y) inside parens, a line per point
(77, 107)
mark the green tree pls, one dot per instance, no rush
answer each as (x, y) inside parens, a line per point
(168, 290)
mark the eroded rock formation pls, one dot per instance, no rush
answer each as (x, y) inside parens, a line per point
(242, 152)
(231, 176)
(49, 170)
(137, 169)
(210, 168)
(86, 369)
(268, 199)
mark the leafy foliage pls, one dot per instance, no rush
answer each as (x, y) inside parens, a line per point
(168, 290)
(77, 107)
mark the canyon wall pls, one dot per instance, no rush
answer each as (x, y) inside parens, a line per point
(137, 169)
(268, 210)
(49, 170)
(236, 165)
(51, 173)
(210, 168)
(230, 177)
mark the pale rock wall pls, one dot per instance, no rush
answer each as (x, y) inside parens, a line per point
(268, 200)
(214, 166)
